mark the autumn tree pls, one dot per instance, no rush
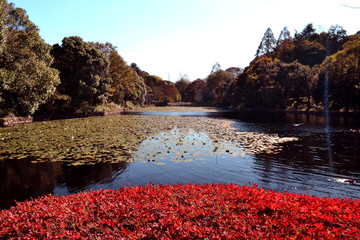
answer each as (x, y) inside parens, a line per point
(182, 84)
(217, 85)
(84, 73)
(194, 91)
(336, 38)
(160, 92)
(235, 71)
(284, 36)
(26, 76)
(268, 43)
(343, 72)
(309, 47)
(127, 87)
(215, 68)
(139, 72)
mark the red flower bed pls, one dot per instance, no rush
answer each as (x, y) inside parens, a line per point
(183, 212)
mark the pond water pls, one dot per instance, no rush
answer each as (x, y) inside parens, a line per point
(309, 161)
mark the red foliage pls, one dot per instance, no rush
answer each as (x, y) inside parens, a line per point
(185, 212)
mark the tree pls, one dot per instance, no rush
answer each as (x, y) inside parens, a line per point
(160, 92)
(309, 52)
(182, 84)
(217, 85)
(235, 71)
(268, 43)
(285, 46)
(306, 33)
(26, 76)
(336, 38)
(284, 36)
(84, 73)
(139, 72)
(343, 72)
(215, 68)
(126, 85)
(194, 91)
(287, 84)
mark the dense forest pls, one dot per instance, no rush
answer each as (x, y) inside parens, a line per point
(83, 77)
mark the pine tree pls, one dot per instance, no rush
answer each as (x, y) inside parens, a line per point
(268, 43)
(284, 35)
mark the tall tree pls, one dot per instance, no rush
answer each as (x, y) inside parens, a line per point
(284, 36)
(126, 85)
(26, 78)
(268, 43)
(83, 72)
(336, 38)
(160, 92)
(217, 85)
(194, 91)
(306, 32)
(182, 84)
(343, 72)
(215, 68)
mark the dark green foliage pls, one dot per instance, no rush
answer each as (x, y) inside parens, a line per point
(26, 78)
(83, 72)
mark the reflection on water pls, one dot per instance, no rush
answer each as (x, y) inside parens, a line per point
(189, 156)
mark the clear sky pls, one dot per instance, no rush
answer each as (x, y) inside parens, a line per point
(172, 37)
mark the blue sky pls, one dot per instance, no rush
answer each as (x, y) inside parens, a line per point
(173, 37)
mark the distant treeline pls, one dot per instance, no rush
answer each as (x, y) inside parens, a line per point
(289, 73)
(81, 77)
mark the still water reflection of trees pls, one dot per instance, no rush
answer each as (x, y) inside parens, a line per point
(301, 166)
(20, 179)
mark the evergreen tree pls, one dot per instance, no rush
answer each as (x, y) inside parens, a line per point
(284, 35)
(268, 43)
(215, 68)
(84, 73)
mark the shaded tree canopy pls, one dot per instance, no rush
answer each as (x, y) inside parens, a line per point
(194, 91)
(217, 85)
(83, 72)
(26, 78)
(160, 92)
(182, 84)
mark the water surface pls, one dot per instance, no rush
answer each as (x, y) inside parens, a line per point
(175, 155)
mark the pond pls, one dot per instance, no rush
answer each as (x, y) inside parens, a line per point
(278, 151)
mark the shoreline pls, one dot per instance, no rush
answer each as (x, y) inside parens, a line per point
(11, 121)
